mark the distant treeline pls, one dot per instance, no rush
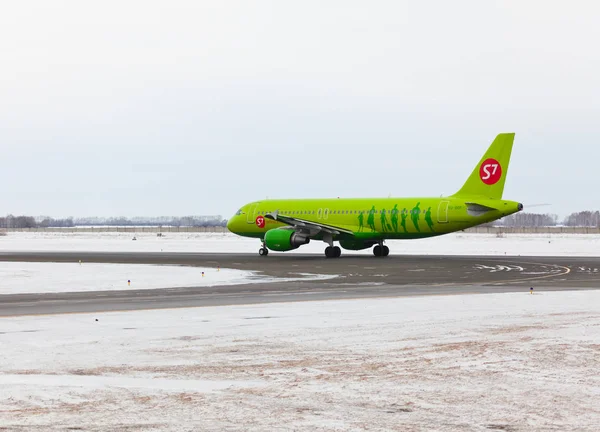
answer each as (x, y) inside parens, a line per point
(177, 221)
(585, 218)
(11, 221)
(529, 220)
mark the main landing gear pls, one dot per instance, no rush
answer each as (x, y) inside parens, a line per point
(333, 252)
(381, 251)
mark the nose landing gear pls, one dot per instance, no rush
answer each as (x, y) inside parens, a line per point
(263, 251)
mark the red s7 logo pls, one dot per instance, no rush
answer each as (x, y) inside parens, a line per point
(260, 221)
(490, 171)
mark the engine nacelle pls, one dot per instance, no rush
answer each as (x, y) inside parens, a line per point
(284, 239)
(355, 244)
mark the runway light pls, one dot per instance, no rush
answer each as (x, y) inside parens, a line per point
(128, 282)
(531, 290)
(202, 274)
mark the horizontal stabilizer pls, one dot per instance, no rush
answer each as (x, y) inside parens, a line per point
(475, 209)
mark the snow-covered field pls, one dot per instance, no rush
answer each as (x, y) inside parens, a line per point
(24, 277)
(450, 244)
(510, 362)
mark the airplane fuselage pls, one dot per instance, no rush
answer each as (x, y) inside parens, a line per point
(369, 218)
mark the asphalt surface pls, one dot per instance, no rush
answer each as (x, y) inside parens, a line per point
(356, 277)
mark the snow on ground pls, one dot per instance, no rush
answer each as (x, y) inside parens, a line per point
(24, 277)
(450, 244)
(510, 362)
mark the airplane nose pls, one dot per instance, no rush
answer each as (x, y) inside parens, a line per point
(230, 224)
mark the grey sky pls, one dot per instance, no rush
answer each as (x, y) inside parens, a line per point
(174, 108)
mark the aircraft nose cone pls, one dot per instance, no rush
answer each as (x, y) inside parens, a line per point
(230, 224)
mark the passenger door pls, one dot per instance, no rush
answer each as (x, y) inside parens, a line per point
(443, 212)
(251, 215)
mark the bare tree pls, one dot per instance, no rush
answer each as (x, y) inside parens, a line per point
(11, 221)
(584, 218)
(530, 220)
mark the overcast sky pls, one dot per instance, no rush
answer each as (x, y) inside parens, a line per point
(178, 108)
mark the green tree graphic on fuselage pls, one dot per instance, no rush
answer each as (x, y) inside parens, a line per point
(404, 215)
(371, 219)
(428, 219)
(394, 218)
(361, 220)
(415, 216)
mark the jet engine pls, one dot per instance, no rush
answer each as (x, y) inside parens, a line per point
(284, 239)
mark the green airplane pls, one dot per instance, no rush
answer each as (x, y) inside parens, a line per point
(361, 223)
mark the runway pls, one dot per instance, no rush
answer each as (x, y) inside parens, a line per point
(357, 277)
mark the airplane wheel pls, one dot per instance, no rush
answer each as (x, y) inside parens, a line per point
(263, 251)
(386, 251)
(377, 251)
(333, 252)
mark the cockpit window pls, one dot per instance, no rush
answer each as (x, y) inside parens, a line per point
(239, 212)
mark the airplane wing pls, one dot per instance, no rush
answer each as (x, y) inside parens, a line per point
(307, 227)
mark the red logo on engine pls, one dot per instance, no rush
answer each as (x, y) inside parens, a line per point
(490, 171)
(260, 221)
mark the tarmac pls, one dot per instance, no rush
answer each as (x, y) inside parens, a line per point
(356, 277)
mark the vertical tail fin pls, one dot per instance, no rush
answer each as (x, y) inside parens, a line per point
(488, 177)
